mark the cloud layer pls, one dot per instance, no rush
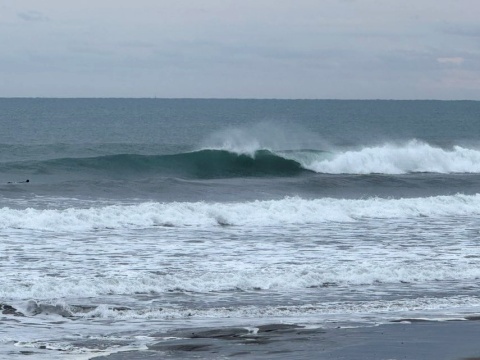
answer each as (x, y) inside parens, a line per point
(249, 49)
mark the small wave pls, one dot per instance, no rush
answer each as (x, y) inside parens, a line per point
(288, 211)
(389, 309)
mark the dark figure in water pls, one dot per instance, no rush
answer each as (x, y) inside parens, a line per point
(19, 182)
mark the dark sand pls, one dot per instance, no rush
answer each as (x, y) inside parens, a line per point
(418, 340)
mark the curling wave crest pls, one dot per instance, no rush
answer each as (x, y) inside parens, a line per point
(290, 210)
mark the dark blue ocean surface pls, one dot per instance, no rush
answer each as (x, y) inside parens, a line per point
(146, 218)
(187, 122)
(254, 148)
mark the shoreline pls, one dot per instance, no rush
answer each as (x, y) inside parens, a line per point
(415, 339)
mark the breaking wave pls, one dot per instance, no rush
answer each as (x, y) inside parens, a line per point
(414, 156)
(288, 211)
(254, 161)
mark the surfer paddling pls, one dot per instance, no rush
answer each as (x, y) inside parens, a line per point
(19, 182)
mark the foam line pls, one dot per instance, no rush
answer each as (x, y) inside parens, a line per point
(290, 210)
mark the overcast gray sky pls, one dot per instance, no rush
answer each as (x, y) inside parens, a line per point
(345, 49)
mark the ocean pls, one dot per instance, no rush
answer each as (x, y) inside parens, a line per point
(145, 220)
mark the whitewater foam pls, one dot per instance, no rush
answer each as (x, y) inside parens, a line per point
(346, 308)
(336, 271)
(389, 309)
(414, 156)
(290, 210)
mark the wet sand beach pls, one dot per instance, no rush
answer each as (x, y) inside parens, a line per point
(411, 340)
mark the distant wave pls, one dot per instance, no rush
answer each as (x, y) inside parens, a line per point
(288, 211)
(411, 157)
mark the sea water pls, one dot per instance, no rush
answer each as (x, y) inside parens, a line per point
(142, 216)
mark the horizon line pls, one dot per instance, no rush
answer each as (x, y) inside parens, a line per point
(220, 98)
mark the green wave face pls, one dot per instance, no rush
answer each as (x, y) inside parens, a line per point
(220, 163)
(202, 164)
